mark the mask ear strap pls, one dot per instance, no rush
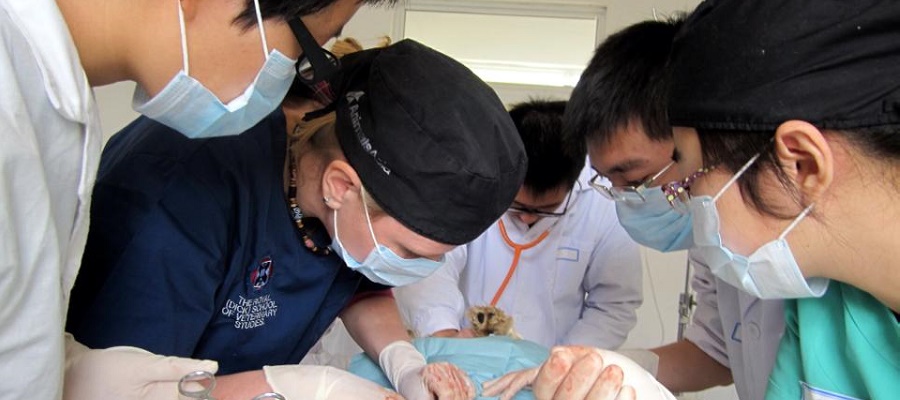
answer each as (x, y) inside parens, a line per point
(184, 52)
(796, 221)
(262, 29)
(362, 193)
(736, 176)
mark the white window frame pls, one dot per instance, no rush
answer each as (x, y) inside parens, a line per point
(570, 9)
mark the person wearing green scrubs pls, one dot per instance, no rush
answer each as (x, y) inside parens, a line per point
(786, 117)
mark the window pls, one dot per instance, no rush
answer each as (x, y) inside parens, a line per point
(508, 42)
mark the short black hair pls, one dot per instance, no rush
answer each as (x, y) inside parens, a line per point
(550, 166)
(625, 82)
(289, 9)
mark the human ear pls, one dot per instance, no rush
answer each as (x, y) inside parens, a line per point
(339, 182)
(806, 156)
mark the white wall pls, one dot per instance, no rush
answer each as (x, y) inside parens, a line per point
(663, 273)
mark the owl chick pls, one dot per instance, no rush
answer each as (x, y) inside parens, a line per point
(490, 320)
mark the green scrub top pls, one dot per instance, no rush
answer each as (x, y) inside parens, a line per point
(844, 345)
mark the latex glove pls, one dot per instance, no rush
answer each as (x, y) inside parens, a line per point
(315, 382)
(407, 371)
(124, 373)
(577, 372)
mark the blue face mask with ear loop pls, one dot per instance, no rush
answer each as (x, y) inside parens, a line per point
(187, 106)
(771, 272)
(652, 222)
(382, 265)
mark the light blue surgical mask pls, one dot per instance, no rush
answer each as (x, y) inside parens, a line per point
(771, 272)
(382, 265)
(187, 106)
(651, 221)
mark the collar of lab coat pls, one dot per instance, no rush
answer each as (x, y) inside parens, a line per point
(65, 82)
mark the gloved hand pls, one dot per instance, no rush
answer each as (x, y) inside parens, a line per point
(407, 371)
(124, 373)
(578, 372)
(314, 382)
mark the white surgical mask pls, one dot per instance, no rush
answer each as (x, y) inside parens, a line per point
(382, 265)
(653, 222)
(187, 106)
(771, 272)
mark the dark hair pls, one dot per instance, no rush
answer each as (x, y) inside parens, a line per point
(730, 150)
(539, 123)
(624, 82)
(288, 9)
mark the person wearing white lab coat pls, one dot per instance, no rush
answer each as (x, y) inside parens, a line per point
(576, 278)
(51, 54)
(733, 336)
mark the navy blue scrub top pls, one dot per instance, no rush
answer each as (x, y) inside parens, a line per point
(192, 252)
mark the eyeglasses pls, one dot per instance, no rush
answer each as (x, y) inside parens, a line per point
(678, 193)
(317, 65)
(621, 193)
(540, 213)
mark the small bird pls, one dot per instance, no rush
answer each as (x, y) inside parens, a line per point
(490, 320)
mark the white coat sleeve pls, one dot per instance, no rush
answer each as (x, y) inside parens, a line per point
(436, 302)
(613, 287)
(705, 329)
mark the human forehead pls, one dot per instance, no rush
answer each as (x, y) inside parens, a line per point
(405, 242)
(629, 152)
(528, 198)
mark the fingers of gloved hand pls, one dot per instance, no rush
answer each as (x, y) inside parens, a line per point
(508, 385)
(314, 382)
(412, 385)
(447, 382)
(627, 393)
(553, 372)
(608, 384)
(127, 373)
(581, 377)
(161, 368)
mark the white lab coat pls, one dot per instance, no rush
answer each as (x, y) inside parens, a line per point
(736, 329)
(580, 285)
(50, 142)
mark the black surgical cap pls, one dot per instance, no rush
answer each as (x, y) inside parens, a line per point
(751, 65)
(431, 142)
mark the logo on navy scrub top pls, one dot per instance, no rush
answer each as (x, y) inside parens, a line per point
(260, 276)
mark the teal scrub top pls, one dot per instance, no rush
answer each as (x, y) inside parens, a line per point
(844, 345)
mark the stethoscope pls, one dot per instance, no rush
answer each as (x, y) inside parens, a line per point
(517, 253)
(198, 385)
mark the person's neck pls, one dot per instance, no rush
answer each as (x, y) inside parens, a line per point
(865, 246)
(101, 30)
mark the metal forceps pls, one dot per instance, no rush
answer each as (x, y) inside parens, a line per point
(198, 385)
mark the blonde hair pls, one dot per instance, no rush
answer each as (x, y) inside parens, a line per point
(318, 135)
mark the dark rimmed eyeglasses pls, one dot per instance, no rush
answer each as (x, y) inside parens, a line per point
(317, 65)
(541, 213)
(627, 193)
